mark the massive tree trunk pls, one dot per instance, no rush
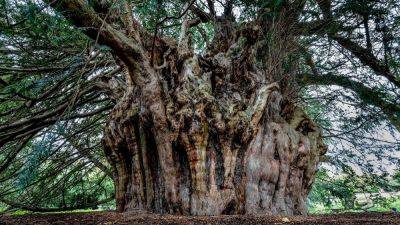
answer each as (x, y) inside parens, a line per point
(214, 134)
(219, 132)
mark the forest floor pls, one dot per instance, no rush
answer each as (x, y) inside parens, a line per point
(111, 218)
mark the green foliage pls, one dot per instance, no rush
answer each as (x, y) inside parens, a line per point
(50, 171)
(317, 112)
(332, 193)
(46, 172)
(271, 7)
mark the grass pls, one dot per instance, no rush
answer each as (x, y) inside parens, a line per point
(384, 206)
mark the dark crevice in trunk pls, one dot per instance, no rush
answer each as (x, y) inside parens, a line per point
(216, 134)
(152, 157)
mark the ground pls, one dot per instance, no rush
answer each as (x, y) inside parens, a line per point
(111, 218)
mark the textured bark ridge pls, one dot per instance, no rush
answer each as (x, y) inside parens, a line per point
(213, 158)
(213, 134)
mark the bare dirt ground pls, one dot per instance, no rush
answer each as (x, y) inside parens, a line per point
(111, 218)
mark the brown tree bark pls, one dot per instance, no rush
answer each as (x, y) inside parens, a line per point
(208, 165)
(207, 134)
(214, 135)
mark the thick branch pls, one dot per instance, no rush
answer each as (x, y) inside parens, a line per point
(85, 152)
(47, 114)
(40, 209)
(203, 16)
(211, 7)
(363, 54)
(14, 154)
(325, 6)
(368, 95)
(228, 8)
(83, 16)
(367, 58)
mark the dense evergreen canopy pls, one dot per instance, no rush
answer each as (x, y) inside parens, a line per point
(63, 70)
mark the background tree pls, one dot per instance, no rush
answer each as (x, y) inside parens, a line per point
(198, 103)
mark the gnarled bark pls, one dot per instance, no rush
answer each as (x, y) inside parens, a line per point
(212, 135)
(216, 169)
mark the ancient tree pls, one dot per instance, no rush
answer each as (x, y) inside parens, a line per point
(211, 132)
